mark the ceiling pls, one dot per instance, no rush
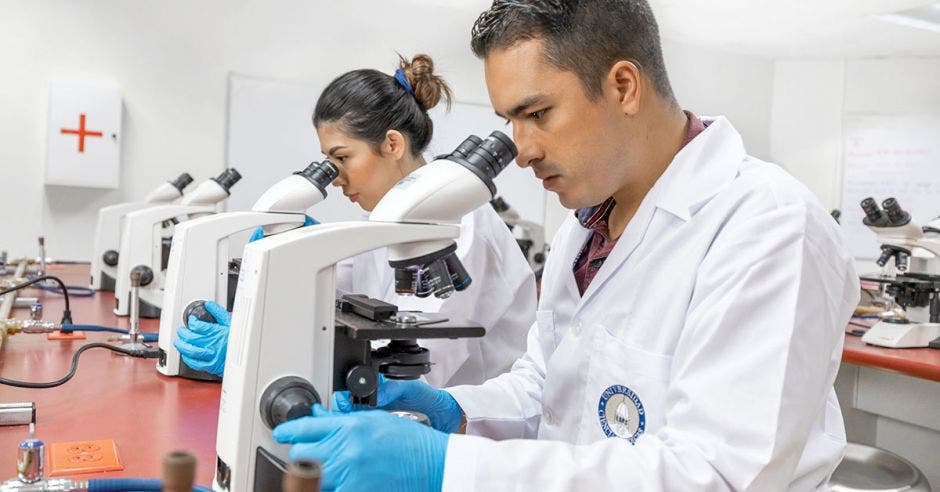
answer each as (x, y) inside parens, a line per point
(782, 29)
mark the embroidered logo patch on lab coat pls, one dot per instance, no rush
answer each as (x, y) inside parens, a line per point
(621, 413)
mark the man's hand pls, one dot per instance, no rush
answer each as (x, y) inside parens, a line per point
(417, 396)
(368, 450)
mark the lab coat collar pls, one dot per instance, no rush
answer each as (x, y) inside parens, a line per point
(696, 173)
(700, 169)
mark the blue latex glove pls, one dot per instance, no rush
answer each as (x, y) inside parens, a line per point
(368, 450)
(414, 395)
(202, 345)
(259, 232)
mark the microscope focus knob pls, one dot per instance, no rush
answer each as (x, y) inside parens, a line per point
(146, 274)
(287, 398)
(110, 257)
(197, 308)
(362, 381)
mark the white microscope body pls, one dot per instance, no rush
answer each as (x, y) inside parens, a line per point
(104, 260)
(916, 251)
(145, 238)
(198, 266)
(529, 235)
(289, 347)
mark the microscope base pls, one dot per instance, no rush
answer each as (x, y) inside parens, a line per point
(902, 335)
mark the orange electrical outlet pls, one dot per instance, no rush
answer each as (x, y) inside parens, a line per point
(58, 335)
(67, 458)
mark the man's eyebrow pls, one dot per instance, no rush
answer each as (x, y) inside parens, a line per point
(522, 106)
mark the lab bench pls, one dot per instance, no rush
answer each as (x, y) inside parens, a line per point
(890, 397)
(111, 396)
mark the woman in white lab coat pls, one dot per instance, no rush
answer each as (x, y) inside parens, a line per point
(374, 127)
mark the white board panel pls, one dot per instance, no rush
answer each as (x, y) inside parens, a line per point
(270, 135)
(889, 156)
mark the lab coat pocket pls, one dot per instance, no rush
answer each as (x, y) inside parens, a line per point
(545, 319)
(627, 389)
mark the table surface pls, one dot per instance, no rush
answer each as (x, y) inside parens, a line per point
(149, 415)
(111, 396)
(918, 362)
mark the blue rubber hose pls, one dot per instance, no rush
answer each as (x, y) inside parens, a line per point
(68, 328)
(73, 290)
(132, 485)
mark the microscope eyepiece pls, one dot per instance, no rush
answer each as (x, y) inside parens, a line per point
(493, 154)
(321, 174)
(896, 214)
(228, 178)
(466, 147)
(874, 216)
(487, 157)
(182, 181)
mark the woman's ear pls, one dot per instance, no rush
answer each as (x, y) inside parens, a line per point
(395, 144)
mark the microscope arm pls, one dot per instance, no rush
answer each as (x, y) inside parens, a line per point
(141, 245)
(441, 193)
(283, 323)
(198, 265)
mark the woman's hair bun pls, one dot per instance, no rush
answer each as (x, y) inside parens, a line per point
(429, 88)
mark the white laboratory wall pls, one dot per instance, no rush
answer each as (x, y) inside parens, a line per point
(710, 82)
(811, 99)
(171, 60)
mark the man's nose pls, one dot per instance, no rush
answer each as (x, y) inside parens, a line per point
(530, 152)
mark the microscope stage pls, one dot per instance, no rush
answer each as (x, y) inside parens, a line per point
(425, 325)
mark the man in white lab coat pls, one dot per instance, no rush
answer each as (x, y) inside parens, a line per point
(692, 311)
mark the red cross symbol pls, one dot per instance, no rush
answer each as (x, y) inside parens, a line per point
(81, 132)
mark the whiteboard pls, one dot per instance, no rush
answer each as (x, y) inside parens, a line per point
(271, 134)
(889, 156)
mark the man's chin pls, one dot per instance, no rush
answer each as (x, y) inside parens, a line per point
(568, 201)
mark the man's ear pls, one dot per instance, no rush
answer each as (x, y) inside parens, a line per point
(624, 82)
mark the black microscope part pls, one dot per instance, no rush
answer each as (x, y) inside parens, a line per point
(182, 181)
(228, 178)
(321, 174)
(874, 216)
(896, 214)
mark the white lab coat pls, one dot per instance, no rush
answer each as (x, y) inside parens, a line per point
(720, 313)
(501, 298)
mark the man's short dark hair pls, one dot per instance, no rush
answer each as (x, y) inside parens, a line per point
(582, 36)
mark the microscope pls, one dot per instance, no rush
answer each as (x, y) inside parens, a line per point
(146, 237)
(912, 282)
(199, 266)
(104, 260)
(291, 344)
(529, 235)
